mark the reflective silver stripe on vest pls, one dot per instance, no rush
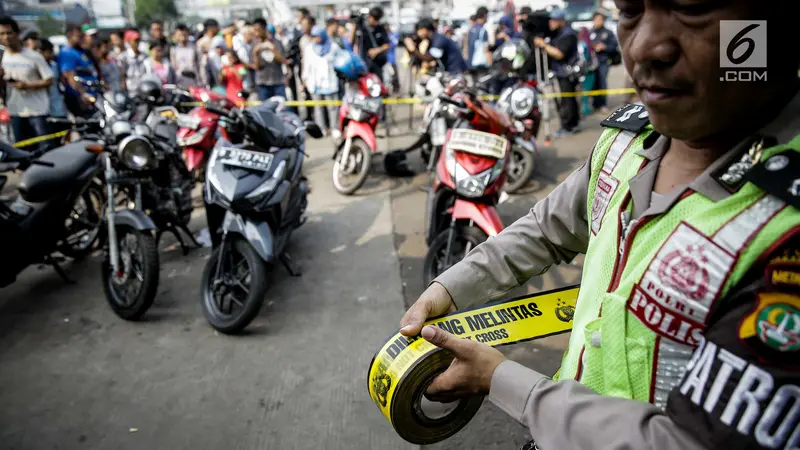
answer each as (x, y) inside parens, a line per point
(673, 357)
(621, 142)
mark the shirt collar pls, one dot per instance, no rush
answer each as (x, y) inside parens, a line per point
(783, 128)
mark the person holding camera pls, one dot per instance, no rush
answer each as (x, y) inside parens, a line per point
(440, 49)
(371, 40)
(562, 52)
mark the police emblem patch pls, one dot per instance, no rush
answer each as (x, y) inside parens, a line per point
(774, 322)
(632, 117)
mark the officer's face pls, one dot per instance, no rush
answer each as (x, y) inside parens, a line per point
(673, 53)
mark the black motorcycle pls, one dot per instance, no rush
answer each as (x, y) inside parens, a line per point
(255, 196)
(55, 212)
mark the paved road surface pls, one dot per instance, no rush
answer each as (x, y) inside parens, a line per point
(73, 376)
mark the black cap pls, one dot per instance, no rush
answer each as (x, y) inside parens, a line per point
(482, 12)
(427, 24)
(526, 10)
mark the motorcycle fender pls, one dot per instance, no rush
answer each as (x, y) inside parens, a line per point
(194, 157)
(484, 216)
(363, 131)
(257, 234)
(135, 219)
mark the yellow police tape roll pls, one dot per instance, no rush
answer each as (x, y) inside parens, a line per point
(403, 368)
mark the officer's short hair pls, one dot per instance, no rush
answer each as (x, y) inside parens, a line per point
(598, 13)
(482, 13)
(376, 12)
(426, 24)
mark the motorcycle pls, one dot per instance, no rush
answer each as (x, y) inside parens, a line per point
(470, 174)
(523, 103)
(54, 209)
(256, 196)
(358, 117)
(198, 129)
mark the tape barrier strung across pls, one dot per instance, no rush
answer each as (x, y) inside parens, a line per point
(403, 368)
(413, 100)
(37, 139)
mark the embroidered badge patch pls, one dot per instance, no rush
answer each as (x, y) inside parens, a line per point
(774, 322)
(632, 117)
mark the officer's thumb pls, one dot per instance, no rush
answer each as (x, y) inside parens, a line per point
(444, 340)
(414, 318)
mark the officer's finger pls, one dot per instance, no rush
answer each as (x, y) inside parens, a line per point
(444, 340)
(415, 317)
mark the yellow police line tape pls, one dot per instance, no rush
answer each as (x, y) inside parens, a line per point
(414, 100)
(403, 368)
(37, 139)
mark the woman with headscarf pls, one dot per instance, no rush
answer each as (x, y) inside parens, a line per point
(585, 47)
(319, 77)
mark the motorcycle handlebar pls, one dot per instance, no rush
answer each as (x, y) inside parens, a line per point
(448, 100)
(76, 121)
(215, 110)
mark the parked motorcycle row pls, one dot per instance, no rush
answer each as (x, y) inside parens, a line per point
(128, 179)
(474, 150)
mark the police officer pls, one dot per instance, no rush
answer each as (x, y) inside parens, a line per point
(562, 51)
(686, 333)
(605, 47)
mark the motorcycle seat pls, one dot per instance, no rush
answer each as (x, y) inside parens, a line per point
(40, 183)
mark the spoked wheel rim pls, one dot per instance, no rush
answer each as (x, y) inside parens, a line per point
(347, 173)
(516, 166)
(84, 221)
(128, 281)
(226, 296)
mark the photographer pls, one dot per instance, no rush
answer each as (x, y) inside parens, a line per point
(562, 52)
(441, 49)
(371, 40)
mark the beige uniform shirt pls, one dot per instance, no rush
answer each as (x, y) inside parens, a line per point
(566, 415)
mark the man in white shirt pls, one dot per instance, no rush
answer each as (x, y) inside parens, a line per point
(26, 76)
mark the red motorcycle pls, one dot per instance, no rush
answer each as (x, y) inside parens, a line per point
(470, 173)
(358, 117)
(198, 129)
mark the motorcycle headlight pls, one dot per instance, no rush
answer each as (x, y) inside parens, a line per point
(357, 114)
(269, 185)
(522, 102)
(373, 87)
(136, 152)
(466, 184)
(193, 138)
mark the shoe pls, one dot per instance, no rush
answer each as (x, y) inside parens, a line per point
(561, 133)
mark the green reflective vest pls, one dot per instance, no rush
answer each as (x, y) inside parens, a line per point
(649, 284)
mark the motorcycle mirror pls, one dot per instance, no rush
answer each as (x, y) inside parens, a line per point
(188, 74)
(313, 129)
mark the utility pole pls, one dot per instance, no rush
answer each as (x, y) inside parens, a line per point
(131, 9)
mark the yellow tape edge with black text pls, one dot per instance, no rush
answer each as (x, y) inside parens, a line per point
(403, 368)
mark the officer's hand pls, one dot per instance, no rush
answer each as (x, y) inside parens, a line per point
(435, 301)
(471, 371)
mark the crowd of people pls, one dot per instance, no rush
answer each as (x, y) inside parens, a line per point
(273, 60)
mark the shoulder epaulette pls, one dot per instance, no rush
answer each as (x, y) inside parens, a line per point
(778, 175)
(631, 117)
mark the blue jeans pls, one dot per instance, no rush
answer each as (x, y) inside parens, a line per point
(29, 127)
(276, 90)
(601, 82)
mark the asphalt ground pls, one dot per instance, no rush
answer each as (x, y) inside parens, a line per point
(74, 376)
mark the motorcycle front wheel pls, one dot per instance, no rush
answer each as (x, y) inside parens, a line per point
(131, 290)
(519, 169)
(349, 175)
(464, 239)
(232, 300)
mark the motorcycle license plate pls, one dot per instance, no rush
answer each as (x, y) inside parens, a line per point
(477, 143)
(438, 131)
(244, 158)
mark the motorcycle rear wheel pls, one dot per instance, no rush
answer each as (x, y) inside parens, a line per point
(464, 240)
(145, 269)
(85, 231)
(248, 307)
(519, 169)
(361, 156)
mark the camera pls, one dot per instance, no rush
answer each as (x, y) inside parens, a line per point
(537, 24)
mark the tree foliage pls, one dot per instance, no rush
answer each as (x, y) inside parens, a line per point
(149, 10)
(49, 26)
